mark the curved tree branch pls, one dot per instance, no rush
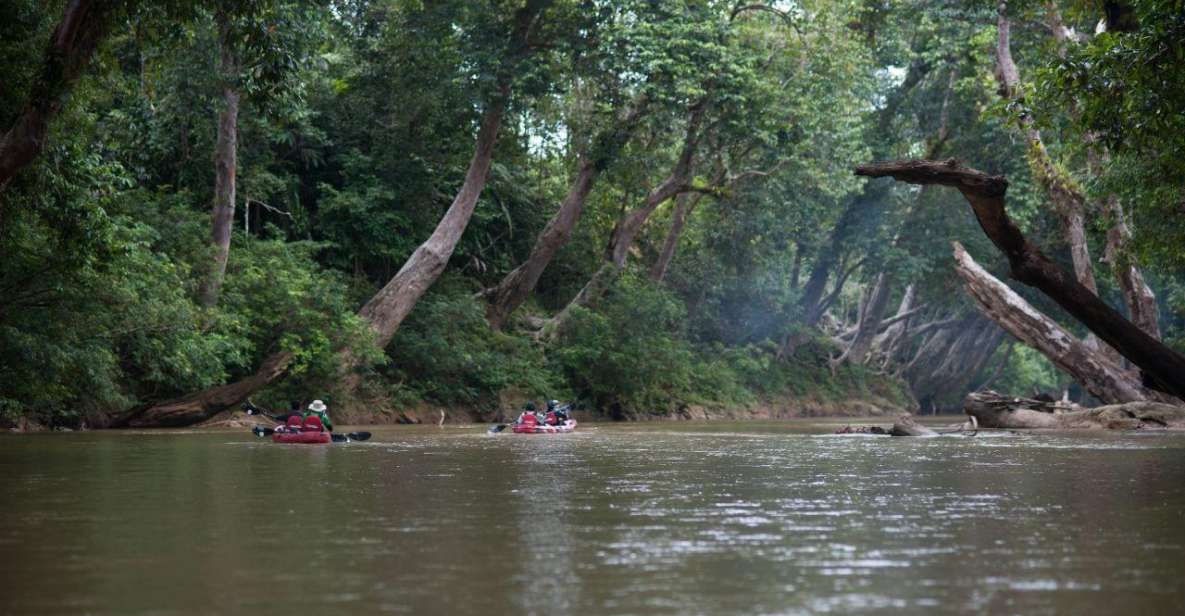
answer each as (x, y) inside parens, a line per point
(1164, 368)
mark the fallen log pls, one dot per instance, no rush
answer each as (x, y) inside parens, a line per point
(994, 410)
(906, 426)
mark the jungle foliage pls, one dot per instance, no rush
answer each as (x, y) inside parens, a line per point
(355, 127)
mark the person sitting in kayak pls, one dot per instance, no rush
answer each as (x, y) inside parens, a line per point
(556, 415)
(320, 411)
(528, 415)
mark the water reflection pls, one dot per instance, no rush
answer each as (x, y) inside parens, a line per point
(672, 519)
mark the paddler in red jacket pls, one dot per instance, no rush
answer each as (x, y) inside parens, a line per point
(528, 416)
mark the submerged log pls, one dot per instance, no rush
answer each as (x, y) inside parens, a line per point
(906, 426)
(994, 410)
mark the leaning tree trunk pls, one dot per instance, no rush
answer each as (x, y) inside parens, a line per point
(1101, 377)
(628, 225)
(225, 167)
(870, 320)
(203, 405)
(73, 43)
(1162, 367)
(684, 206)
(888, 342)
(387, 309)
(812, 304)
(514, 289)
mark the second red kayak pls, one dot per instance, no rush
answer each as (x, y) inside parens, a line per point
(539, 428)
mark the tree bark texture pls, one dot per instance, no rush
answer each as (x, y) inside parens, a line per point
(225, 167)
(1163, 368)
(1140, 300)
(387, 309)
(84, 23)
(684, 206)
(906, 426)
(516, 287)
(889, 341)
(1102, 378)
(993, 410)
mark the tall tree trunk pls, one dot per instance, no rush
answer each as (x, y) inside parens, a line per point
(514, 289)
(1068, 200)
(71, 46)
(811, 302)
(1163, 368)
(225, 166)
(684, 206)
(870, 320)
(796, 270)
(889, 342)
(1141, 301)
(629, 224)
(387, 309)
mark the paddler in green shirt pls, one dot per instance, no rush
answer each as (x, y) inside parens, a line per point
(319, 409)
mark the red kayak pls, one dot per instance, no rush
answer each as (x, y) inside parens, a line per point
(310, 432)
(540, 428)
(310, 438)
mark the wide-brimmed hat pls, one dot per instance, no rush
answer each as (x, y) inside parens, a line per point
(317, 406)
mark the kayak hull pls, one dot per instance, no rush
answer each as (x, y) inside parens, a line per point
(563, 428)
(302, 438)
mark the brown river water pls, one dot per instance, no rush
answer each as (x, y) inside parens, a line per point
(670, 518)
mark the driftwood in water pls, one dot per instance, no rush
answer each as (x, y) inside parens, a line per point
(906, 426)
(994, 410)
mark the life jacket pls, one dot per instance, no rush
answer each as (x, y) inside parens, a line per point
(552, 419)
(312, 423)
(528, 419)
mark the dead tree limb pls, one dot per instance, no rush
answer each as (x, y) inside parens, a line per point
(1164, 368)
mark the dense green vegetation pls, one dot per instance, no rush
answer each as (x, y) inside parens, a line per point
(356, 122)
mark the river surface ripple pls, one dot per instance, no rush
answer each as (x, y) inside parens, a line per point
(671, 518)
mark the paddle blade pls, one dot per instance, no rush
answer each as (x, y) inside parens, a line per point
(498, 428)
(358, 436)
(339, 438)
(261, 431)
